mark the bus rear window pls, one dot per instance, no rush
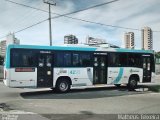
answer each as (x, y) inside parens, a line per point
(22, 58)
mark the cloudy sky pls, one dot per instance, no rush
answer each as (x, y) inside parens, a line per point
(125, 13)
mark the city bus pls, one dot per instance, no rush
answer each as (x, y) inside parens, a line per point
(63, 67)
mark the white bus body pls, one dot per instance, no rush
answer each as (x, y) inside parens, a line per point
(50, 65)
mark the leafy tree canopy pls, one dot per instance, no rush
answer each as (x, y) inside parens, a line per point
(157, 54)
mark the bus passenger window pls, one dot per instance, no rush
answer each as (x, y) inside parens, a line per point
(63, 59)
(123, 59)
(75, 59)
(95, 62)
(114, 60)
(95, 59)
(134, 60)
(148, 64)
(49, 60)
(82, 59)
(144, 63)
(67, 59)
(85, 60)
(24, 57)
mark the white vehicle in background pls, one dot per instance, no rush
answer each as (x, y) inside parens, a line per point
(63, 67)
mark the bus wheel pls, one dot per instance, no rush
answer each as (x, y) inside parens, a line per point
(117, 85)
(63, 85)
(132, 84)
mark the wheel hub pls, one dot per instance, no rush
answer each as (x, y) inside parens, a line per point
(63, 86)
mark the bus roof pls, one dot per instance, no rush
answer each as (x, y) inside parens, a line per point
(78, 48)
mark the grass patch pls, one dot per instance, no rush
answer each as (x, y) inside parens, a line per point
(155, 88)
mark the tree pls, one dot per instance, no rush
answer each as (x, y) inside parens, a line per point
(157, 54)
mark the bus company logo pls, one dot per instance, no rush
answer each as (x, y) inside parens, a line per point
(25, 70)
(63, 71)
(75, 72)
(132, 70)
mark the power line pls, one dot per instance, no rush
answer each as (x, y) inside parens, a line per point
(59, 15)
(102, 4)
(65, 15)
(31, 26)
(62, 15)
(26, 6)
(24, 19)
(102, 24)
(83, 20)
(27, 27)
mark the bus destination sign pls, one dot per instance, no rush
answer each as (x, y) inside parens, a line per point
(25, 70)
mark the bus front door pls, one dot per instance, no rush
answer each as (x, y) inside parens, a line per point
(45, 70)
(100, 69)
(146, 69)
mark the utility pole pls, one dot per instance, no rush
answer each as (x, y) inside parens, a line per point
(50, 2)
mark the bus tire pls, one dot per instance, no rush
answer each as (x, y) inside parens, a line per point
(63, 85)
(132, 84)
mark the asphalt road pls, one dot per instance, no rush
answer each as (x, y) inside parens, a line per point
(81, 104)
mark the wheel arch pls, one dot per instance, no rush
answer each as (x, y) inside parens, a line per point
(64, 77)
(135, 76)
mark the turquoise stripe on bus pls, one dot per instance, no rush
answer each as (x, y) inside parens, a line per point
(7, 57)
(134, 51)
(119, 77)
(76, 48)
